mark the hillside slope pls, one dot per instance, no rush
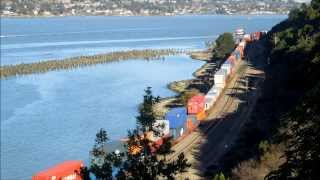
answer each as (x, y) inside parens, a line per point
(287, 121)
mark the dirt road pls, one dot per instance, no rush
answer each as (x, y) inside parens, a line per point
(206, 146)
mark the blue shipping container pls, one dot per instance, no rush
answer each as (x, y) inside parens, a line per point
(177, 132)
(176, 117)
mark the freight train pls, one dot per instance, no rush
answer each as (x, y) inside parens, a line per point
(182, 121)
(178, 122)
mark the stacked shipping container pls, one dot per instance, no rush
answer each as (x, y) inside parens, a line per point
(177, 121)
(198, 105)
(68, 170)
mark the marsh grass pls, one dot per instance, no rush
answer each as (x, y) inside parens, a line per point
(83, 61)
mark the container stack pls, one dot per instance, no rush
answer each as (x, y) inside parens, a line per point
(177, 121)
(256, 36)
(211, 97)
(180, 121)
(196, 106)
(227, 66)
(220, 78)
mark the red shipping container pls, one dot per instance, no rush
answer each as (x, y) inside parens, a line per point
(257, 35)
(196, 104)
(67, 170)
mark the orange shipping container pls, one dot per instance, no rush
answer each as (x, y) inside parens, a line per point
(190, 125)
(201, 115)
(67, 170)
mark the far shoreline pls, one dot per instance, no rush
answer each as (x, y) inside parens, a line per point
(176, 15)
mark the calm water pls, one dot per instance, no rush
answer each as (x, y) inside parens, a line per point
(52, 117)
(34, 39)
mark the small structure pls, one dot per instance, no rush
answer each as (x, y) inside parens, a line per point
(177, 118)
(68, 170)
(196, 104)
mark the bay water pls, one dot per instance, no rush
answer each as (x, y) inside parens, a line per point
(52, 117)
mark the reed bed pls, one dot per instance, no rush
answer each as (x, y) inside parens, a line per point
(82, 61)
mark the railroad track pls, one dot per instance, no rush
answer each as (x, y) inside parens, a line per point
(182, 148)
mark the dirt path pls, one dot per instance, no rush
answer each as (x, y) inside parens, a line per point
(206, 146)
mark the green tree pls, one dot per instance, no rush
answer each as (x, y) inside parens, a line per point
(102, 162)
(303, 151)
(148, 162)
(300, 35)
(85, 173)
(219, 176)
(146, 117)
(223, 46)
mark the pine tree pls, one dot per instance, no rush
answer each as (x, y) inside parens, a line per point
(146, 117)
(143, 158)
(146, 163)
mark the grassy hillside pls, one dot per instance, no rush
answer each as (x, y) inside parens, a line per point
(286, 122)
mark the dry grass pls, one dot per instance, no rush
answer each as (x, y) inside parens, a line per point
(258, 169)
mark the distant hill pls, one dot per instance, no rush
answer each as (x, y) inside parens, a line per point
(143, 7)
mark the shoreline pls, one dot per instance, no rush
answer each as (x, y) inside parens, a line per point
(91, 15)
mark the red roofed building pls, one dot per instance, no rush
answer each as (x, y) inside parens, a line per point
(68, 170)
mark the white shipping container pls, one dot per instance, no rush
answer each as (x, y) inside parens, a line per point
(247, 36)
(215, 90)
(218, 90)
(209, 102)
(220, 77)
(226, 67)
(211, 96)
(220, 85)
